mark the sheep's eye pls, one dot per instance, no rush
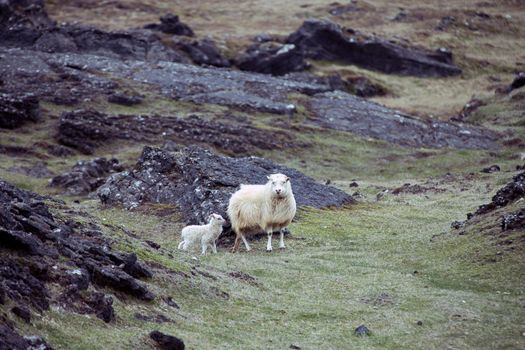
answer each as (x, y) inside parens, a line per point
(273, 183)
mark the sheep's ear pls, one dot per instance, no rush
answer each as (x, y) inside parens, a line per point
(287, 179)
(268, 177)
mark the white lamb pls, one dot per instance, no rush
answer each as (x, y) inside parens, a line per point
(205, 234)
(268, 208)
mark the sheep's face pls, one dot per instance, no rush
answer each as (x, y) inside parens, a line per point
(217, 219)
(280, 185)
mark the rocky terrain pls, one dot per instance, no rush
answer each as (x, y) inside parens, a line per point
(123, 121)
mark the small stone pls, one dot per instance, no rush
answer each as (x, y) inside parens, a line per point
(362, 330)
(419, 323)
(353, 184)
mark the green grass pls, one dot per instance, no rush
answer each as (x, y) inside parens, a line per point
(334, 276)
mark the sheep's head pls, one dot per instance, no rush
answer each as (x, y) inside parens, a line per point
(280, 185)
(216, 219)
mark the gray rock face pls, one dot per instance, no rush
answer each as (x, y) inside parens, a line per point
(325, 40)
(200, 182)
(246, 91)
(340, 111)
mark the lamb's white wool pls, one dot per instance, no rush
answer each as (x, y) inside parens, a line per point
(206, 235)
(255, 208)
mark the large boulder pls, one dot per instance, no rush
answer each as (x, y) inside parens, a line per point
(325, 40)
(272, 58)
(199, 182)
(16, 110)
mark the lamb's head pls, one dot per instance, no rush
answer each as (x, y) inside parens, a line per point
(216, 219)
(280, 185)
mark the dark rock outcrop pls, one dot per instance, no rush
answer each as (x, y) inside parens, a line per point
(86, 130)
(506, 195)
(171, 24)
(22, 21)
(11, 340)
(200, 182)
(137, 44)
(37, 248)
(204, 53)
(271, 58)
(18, 110)
(167, 342)
(86, 176)
(25, 23)
(336, 110)
(325, 40)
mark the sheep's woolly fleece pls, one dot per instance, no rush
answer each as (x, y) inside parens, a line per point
(199, 182)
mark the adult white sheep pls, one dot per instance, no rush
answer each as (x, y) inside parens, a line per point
(268, 208)
(204, 234)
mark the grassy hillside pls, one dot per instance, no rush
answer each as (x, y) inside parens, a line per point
(390, 262)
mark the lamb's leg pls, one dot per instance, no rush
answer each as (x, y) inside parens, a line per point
(281, 239)
(214, 247)
(204, 248)
(185, 245)
(248, 248)
(180, 245)
(269, 244)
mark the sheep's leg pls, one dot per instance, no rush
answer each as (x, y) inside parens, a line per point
(269, 244)
(281, 239)
(246, 243)
(180, 245)
(185, 245)
(204, 248)
(236, 244)
(214, 247)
